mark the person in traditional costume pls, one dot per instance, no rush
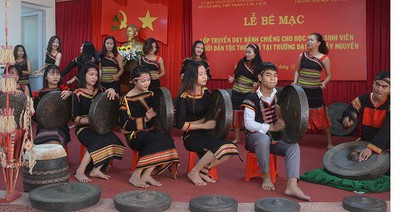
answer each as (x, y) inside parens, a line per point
(111, 65)
(263, 122)
(156, 152)
(16, 73)
(309, 68)
(51, 82)
(193, 104)
(153, 62)
(22, 61)
(373, 111)
(199, 55)
(53, 55)
(100, 149)
(245, 82)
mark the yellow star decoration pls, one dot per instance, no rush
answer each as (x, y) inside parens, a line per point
(147, 21)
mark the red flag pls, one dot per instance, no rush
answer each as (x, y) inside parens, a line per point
(152, 19)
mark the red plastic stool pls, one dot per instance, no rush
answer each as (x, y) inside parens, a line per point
(192, 163)
(253, 170)
(135, 159)
(82, 152)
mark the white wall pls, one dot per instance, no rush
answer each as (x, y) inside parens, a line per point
(14, 19)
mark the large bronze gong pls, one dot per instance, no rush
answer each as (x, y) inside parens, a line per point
(213, 203)
(103, 114)
(17, 102)
(142, 201)
(276, 204)
(364, 204)
(335, 112)
(342, 161)
(163, 106)
(52, 111)
(220, 111)
(294, 109)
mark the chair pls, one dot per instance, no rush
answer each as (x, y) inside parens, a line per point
(253, 170)
(192, 163)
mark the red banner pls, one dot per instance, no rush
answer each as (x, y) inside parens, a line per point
(152, 19)
(280, 28)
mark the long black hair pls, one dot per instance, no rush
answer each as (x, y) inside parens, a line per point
(323, 48)
(16, 51)
(88, 53)
(203, 55)
(137, 71)
(190, 78)
(104, 50)
(254, 63)
(51, 40)
(51, 68)
(148, 46)
(82, 78)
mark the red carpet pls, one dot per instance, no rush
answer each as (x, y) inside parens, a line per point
(230, 175)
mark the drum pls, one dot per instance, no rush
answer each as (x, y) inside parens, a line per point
(103, 114)
(52, 111)
(51, 167)
(220, 111)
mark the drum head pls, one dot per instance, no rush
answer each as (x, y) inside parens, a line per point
(213, 203)
(65, 196)
(52, 111)
(342, 161)
(142, 201)
(103, 114)
(364, 204)
(220, 111)
(294, 108)
(335, 112)
(17, 102)
(163, 106)
(271, 204)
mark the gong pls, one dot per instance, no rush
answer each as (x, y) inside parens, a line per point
(342, 161)
(364, 204)
(142, 201)
(294, 109)
(276, 204)
(65, 196)
(52, 111)
(17, 102)
(335, 112)
(213, 203)
(103, 114)
(221, 111)
(163, 106)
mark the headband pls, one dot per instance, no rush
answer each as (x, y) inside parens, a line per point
(144, 77)
(387, 80)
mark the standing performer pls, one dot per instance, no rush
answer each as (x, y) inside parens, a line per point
(22, 62)
(100, 149)
(111, 64)
(245, 82)
(374, 111)
(88, 53)
(157, 152)
(53, 55)
(51, 82)
(199, 55)
(308, 72)
(263, 121)
(153, 62)
(192, 106)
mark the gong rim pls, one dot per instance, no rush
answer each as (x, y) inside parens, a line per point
(214, 203)
(164, 120)
(336, 161)
(220, 100)
(140, 201)
(364, 204)
(294, 131)
(103, 114)
(58, 115)
(276, 204)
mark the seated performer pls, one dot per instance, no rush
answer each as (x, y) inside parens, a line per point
(100, 149)
(51, 82)
(17, 74)
(156, 152)
(262, 120)
(374, 111)
(192, 106)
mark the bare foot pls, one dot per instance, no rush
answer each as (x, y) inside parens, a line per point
(81, 177)
(138, 182)
(295, 191)
(207, 178)
(195, 178)
(97, 173)
(267, 184)
(152, 181)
